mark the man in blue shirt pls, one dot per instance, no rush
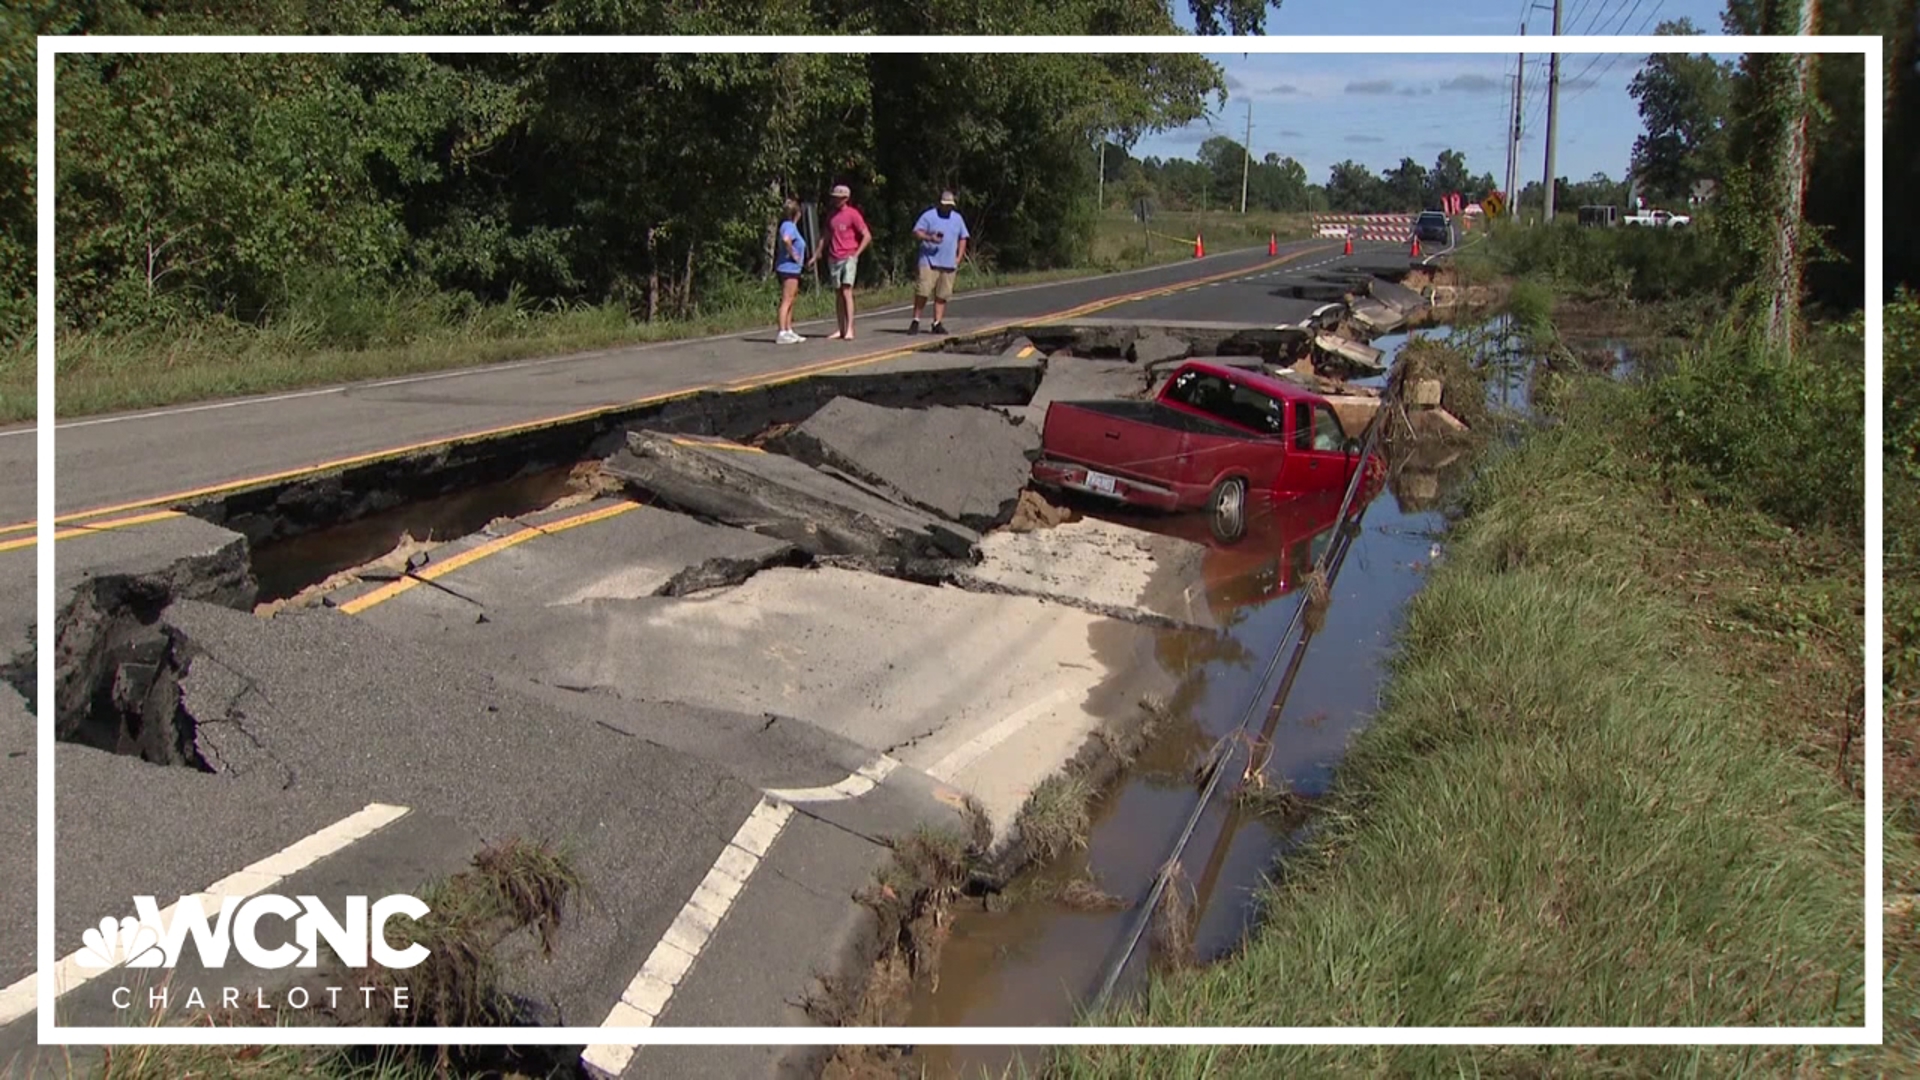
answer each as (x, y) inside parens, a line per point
(942, 233)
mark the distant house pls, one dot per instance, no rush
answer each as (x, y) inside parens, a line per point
(1702, 192)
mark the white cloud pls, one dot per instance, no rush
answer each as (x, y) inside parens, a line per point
(1472, 83)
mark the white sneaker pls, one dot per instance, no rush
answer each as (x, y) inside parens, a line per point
(787, 337)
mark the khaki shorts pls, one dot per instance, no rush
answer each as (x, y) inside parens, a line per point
(935, 283)
(840, 271)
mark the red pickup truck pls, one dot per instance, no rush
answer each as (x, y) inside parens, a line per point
(1213, 438)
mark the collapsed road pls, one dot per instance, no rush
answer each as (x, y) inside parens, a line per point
(774, 630)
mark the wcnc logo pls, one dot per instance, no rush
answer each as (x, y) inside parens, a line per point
(151, 940)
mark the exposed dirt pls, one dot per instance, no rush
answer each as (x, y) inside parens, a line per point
(1035, 512)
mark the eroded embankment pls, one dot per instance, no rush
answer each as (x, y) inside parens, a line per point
(1598, 791)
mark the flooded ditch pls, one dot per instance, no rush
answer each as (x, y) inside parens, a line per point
(1038, 958)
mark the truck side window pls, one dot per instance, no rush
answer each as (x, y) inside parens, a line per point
(1253, 409)
(1302, 426)
(1328, 435)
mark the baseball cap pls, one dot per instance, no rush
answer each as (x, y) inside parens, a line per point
(841, 191)
(946, 198)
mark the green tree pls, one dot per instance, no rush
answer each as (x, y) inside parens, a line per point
(1407, 185)
(1683, 103)
(1449, 175)
(1352, 188)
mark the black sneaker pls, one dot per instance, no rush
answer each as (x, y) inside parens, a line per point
(913, 327)
(939, 328)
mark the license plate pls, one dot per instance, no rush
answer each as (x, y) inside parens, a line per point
(1101, 482)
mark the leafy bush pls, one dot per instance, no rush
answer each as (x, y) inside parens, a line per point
(1640, 264)
(1747, 424)
(1901, 341)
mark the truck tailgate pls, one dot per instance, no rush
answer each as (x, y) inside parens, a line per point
(1117, 437)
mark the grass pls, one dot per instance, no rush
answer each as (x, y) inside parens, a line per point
(1901, 656)
(1057, 816)
(1606, 786)
(338, 338)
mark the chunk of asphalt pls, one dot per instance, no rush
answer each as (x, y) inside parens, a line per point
(115, 668)
(1100, 567)
(778, 496)
(1078, 378)
(1375, 316)
(966, 465)
(351, 708)
(1152, 348)
(18, 786)
(1408, 302)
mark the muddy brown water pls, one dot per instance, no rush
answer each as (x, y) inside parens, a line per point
(285, 567)
(1039, 961)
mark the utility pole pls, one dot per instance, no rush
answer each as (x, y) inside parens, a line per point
(1246, 167)
(1553, 109)
(1513, 136)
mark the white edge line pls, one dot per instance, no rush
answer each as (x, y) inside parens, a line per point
(857, 783)
(19, 999)
(977, 747)
(673, 956)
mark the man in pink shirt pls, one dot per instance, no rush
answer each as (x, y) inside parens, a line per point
(847, 237)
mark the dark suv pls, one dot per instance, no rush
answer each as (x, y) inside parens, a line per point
(1433, 227)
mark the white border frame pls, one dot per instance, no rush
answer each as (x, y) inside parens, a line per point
(51, 1033)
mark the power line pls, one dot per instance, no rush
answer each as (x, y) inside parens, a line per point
(1614, 58)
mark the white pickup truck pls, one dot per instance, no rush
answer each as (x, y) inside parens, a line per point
(1657, 218)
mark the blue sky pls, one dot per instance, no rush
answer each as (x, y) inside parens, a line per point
(1377, 109)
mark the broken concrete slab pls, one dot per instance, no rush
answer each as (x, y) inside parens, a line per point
(1349, 356)
(1424, 393)
(966, 465)
(1376, 317)
(1097, 566)
(780, 497)
(1436, 423)
(1354, 411)
(986, 693)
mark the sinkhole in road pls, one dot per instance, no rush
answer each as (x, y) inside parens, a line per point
(1036, 956)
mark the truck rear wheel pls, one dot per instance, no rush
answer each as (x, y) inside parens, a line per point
(1227, 510)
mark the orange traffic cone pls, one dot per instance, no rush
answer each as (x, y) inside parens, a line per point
(1349, 250)
(1273, 244)
(1416, 246)
(1199, 249)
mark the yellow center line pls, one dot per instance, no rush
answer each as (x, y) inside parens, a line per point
(474, 554)
(750, 382)
(92, 527)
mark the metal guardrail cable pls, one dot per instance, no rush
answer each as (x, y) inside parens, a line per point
(1329, 566)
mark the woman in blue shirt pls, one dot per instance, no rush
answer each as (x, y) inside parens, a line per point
(790, 256)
